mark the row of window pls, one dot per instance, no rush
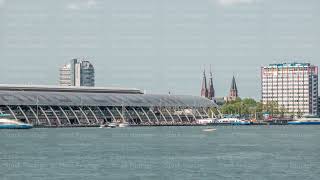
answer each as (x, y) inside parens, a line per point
(287, 92)
(286, 75)
(298, 83)
(285, 80)
(293, 101)
(301, 90)
(279, 96)
(288, 98)
(287, 68)
(283, 105)
(265, 90)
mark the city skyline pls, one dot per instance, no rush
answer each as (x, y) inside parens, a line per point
(159, 89)
(157, 46)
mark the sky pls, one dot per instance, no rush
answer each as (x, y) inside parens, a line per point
(157, 45)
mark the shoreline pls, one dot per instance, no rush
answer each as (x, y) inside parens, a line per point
(167, 125)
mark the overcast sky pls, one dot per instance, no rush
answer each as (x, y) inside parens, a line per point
(157, 45)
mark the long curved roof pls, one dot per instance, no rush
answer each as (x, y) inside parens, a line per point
(46, 88)
(100, 99)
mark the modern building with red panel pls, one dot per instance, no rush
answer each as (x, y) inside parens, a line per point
(293, 86)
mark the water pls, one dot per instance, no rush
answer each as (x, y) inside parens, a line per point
(161, 153)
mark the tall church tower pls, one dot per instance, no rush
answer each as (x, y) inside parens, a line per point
(233, 94)
(211, 91)
(204, 88)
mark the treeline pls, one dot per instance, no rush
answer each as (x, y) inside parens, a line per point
(250, 108)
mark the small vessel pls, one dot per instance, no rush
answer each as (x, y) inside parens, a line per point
(306, 120)
(112, 125)
(232, 121)
(109, 125)
(209, 130)
(125, 124)
(205, 121)
(6, 123)
(102, 126)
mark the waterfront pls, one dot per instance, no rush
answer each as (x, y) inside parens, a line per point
(231, 152)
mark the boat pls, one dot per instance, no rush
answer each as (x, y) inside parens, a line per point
(205, 121)
(112, 125)
(125, 124)
(231, 121)
(209, 130)
(109, 125)
(7, 123)
(102, 126)
(306, 120)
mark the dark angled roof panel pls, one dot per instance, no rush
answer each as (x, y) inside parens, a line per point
(99, 99)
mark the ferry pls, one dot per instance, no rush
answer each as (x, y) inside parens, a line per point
(306, 120)
(232, 121)
(6, 123)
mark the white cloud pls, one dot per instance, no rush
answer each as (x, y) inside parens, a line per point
(235, 2)
(81, 4)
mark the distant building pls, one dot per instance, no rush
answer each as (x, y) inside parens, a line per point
(211, 91)
(318, 106)
(233, 93)
(293, 86)
(77, 73)
(207, 92)
(92, 106)
(204, 88)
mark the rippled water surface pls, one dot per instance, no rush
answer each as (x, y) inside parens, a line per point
(184, 153)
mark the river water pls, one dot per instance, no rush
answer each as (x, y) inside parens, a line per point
(161, 153)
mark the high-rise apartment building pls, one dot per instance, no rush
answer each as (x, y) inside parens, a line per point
(318, 105)
(293, 86)
(77, 73)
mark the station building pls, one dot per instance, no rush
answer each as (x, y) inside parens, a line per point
(88, 106)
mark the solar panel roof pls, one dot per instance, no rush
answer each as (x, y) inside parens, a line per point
(100, 99)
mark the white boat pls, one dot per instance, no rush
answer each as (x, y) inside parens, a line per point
(306, 120)
(102, 126)
(205, 121)
(209, 130)
(112, 125)
(125, 124)
(232, 121)
(6, 123)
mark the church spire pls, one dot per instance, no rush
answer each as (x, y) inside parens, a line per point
(204, 88)
(211, 91)
(233, 94)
